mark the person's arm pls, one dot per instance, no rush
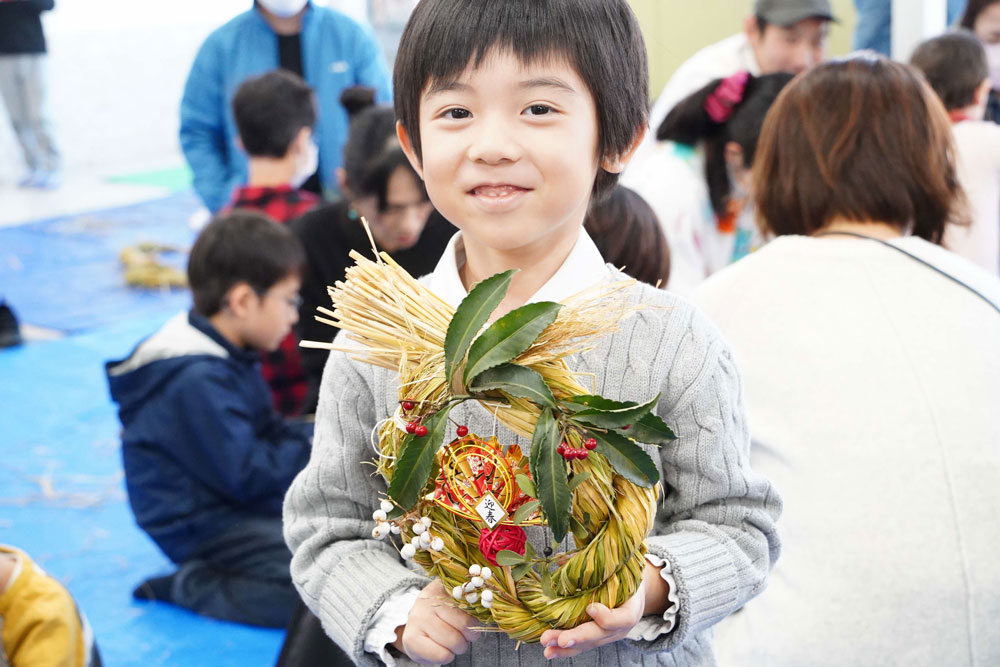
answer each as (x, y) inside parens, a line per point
(370, 67)
(343, 575)
(237, 453)
(202, 128)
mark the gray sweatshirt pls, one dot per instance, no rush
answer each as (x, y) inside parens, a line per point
(715, 524)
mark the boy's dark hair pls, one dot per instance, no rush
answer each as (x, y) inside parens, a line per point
(863, 139)
(270, 111)
(600, 39)
(627, 232)
(372, 152)
(690, 123)
(243, 246)
(955, 65)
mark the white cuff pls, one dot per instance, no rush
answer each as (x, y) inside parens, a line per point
(650, 627)
(382, 632)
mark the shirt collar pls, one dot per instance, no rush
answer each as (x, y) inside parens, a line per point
(204, 325)
(584, 267)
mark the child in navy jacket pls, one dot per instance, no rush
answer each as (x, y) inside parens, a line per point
(207, 459)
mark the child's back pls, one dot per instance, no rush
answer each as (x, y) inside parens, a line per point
(207, 458)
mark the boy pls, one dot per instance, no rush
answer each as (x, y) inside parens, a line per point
(207, 459)
(516, 113)
(955, 66)
(39, 622)
(275, 114)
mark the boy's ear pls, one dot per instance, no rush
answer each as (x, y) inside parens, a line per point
(617, 163)
(981, 96)
(239, 299)
(407, 146)
(300, 143)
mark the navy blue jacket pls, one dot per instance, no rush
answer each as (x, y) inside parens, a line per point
(202, 445)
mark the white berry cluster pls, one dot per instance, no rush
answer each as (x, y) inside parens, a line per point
(478, 576)
(422, 539)
(382, 526)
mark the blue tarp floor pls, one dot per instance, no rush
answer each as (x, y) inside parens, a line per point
(62, 496)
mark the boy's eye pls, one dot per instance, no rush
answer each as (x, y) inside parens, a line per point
(538, 110)
(457, 114)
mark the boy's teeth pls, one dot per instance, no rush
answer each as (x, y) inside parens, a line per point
(495, 190)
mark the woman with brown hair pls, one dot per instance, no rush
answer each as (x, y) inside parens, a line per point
(871, 360)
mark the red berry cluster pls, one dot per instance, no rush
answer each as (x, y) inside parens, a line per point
(571, 453)
(413, 427)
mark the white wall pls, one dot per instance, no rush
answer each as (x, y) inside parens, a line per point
(117, 71)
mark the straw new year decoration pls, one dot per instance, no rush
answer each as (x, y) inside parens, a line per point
(459, 508)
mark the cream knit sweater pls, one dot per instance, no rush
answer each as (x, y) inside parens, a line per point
(716, 524)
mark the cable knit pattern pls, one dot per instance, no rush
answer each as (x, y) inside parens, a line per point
(715, 525)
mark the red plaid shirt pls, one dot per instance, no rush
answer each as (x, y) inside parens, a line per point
(282, 369)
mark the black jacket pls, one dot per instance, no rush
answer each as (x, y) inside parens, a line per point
(21, 26)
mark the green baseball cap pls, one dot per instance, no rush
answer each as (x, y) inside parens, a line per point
(787, 12)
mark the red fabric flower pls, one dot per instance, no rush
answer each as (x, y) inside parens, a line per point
(503, 538)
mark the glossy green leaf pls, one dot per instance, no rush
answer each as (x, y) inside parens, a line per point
(651, 430)
(518, 571)
(578, 479)
(614, 417)
(508, 558)
(526, 485)
(471, 315)
(515, 380)
(549, 473)
(416, 461)
(524, 511)
(628, 459)
(508, 337)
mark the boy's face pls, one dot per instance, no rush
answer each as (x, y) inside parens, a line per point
(510, 152)
(792, 49)
(270, 316)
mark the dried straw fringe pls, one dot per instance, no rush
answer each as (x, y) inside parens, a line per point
(399, 324)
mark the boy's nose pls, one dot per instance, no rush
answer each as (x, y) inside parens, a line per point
(492, 144)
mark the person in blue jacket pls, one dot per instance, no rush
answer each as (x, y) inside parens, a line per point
(207, 458)
(326, 48)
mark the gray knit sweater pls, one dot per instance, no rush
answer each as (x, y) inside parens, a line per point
(716, 523)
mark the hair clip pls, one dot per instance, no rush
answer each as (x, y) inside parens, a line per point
(721, 102)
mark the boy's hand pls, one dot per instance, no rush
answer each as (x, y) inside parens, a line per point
(436, 630)
(609, 625)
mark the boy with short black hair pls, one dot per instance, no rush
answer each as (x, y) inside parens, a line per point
(955, 66)
(275, 114)
(207, 459)
(521, 112)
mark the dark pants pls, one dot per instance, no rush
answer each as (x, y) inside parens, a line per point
(307, 644)
(241, 576)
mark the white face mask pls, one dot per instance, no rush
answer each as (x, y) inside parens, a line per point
(993, 58)
(307, 167)
(283, 8)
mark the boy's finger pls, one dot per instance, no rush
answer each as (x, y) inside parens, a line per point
(426, 651)
(612, 620)
(447, 636)
(461, 621)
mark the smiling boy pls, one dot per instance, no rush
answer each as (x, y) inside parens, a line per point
(516, 113)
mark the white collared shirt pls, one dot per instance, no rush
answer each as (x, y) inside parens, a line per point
(583, 268)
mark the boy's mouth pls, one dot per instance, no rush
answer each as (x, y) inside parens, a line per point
(498, 191)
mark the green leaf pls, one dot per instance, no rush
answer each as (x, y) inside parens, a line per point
(470, 317)
(651, 430)
(614, 417)
(524, 511)
(526, 485)
(578, 479)
(518, 571)
(628, 458)
(519, 381)
(599, 402)
(579, 531)
(416, 460)
(508, 558)
(508, 337)
(549, 473)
